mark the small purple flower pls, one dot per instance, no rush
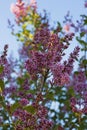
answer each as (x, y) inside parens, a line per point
(85, 5)
(29, 96)
(24, 101)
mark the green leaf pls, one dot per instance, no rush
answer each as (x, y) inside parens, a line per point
(59, 25)
(1, 98)
(50, 96)
(82, 42)
(55, 127)
(20, 81)
(76, 72)
(1, 84)
(71, 91)
(30, 109)
(5, 126)
(82, 34)
(24, 25)
(84, 62)
(31, 91)
(18, 34)
(84, 49)
(85, 22)
(14, 107)
(1, 69)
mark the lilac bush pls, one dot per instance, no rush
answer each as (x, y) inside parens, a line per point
(41, 77)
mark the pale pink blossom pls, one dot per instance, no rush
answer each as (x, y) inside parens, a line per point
(67, 27)
(15, 10)
(18, 9)
(12, 8)
(33, 4)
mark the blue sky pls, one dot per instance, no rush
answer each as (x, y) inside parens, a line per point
(56, 8)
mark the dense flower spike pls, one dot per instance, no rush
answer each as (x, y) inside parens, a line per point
(50, 57)
(4, 64)
(80, 87)
(42, 35)
(21, 9)
(18, 9)
(68, 66)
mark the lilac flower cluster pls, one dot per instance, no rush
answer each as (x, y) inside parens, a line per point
(79, 79)
(79, 82)
(79, 26)
(4, 64)
(42, 35)
(49, 57)
(35, 120)
(20, 9)
(68, 65)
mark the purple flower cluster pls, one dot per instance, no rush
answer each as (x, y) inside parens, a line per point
(79, 83)
(42, 35)
(68, 65)
(49, 56)
(60, 77)
(24, 101)
(35, 119)
(5, 65)
(79, 26)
